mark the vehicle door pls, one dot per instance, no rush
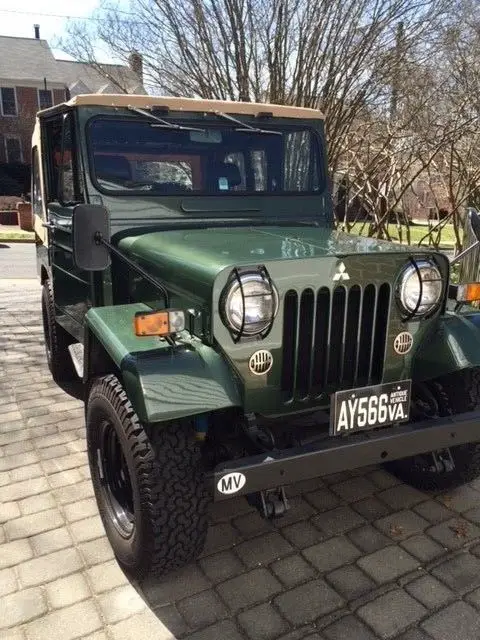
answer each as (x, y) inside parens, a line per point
(72, 287)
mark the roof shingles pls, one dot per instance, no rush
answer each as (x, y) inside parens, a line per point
(31, 60)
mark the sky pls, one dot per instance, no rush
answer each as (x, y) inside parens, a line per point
(18, 18)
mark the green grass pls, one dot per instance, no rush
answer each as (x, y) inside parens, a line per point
(417, 232)
(17, 236)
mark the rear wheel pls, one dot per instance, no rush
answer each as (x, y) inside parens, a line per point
(57, 340)
(456, 393)
(150, 485)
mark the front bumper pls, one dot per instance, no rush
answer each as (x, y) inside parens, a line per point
(277, 468)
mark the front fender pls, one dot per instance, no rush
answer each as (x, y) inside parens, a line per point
(163, 382)
(451, 344)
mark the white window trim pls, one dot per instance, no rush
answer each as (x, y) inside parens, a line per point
(38, 96)
(9, 115)
(9, 137)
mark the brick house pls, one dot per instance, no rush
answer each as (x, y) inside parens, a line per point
(31, 78)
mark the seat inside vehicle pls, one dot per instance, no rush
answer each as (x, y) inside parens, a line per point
(113, 168)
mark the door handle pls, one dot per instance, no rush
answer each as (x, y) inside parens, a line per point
(48, 225)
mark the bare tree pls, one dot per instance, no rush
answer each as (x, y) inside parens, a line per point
(336, 55)
(398, 81)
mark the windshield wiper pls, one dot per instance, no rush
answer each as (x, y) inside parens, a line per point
(286, 223)
(246, 127)
(163, 124)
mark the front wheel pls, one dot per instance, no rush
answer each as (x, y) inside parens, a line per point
(150, 486)
(57, 340)
(455, 393)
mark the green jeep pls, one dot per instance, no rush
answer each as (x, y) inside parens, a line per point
(227, 340)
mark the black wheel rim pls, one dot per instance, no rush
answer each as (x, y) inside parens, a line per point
(115, 480)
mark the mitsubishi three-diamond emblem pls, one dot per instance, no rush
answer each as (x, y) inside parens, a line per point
(341, 273)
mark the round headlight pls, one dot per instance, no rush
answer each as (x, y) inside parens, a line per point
(249, 304)
(420, 288)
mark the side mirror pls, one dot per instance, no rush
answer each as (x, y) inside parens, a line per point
(90, 225)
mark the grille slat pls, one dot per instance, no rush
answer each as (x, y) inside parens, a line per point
(358, 338)
(336, 334)
(320, 349)
(372, 335)
(289, 342)
(333, 339)
(350, 335)
(305, 334)
(380, 334)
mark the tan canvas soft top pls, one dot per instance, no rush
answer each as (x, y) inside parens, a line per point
(193, 104)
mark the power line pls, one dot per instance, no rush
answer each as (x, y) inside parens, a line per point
(58, 15)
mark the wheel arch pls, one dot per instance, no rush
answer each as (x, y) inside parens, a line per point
(44, 275)
(97, 361)
(163, 383)
(451, 345)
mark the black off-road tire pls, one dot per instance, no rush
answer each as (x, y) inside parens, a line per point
(169, 497)
(455, 393)
(57, 340)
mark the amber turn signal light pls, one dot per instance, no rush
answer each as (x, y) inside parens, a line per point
(468, 292)
(159, 323)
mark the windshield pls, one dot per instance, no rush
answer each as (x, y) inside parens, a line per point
(133, 156)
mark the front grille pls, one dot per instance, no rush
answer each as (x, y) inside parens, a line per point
(333, 338)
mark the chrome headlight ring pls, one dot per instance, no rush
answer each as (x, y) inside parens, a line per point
(419, 289)
(249, 303)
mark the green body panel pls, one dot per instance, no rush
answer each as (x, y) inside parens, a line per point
(189, 261)
(196, 265)
(451, 343)
(202, 253)
(163, 382)
(264, 396)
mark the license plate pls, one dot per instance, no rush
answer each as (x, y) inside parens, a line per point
(370, 407)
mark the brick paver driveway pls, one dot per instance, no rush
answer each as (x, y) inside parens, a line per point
(358, 557)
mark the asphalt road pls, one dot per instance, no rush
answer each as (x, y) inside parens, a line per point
(17, 260)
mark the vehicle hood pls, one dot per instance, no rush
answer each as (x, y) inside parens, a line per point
(198, 255)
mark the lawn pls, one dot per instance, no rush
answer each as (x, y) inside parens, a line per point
(417, 232)
(16, 235)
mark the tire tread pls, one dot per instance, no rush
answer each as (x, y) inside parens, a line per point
(171, 482)
(456, 393)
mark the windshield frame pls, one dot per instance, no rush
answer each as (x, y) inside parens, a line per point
(275, 124)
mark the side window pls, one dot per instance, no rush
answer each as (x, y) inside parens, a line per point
(62, 183)
(53, 146)
(36, 185)
(68, 182)
(259, 168)
(301, 162)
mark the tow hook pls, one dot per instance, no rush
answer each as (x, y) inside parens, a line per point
(271, 503)
(442, 461)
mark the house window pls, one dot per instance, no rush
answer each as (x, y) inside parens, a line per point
(9, 102)
(45, 99)
(13, 149)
